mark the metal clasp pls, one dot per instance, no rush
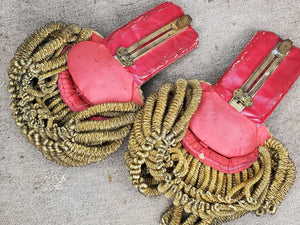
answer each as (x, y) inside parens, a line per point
(243, 97)
(127, 56)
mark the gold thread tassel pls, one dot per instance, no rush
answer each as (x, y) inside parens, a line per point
(63, 136)
(158, 163)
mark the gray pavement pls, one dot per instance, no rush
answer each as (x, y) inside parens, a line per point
(34, 190)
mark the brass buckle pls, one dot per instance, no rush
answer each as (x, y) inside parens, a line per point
(243, 97)
(127, 56)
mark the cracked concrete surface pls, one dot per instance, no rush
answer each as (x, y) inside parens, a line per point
(34, 190)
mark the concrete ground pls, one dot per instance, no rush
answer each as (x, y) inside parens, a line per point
(34, 190)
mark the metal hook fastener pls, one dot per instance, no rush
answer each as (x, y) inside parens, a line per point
(127, 56)
(243, 97)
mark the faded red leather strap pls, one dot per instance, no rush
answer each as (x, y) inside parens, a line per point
(276, 86)
(224, 138)
(94, 76)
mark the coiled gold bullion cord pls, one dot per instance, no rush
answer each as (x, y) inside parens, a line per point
(66, 137)
(158, 164)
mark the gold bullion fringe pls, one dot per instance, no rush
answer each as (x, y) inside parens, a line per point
(158, 164)
(63, 136)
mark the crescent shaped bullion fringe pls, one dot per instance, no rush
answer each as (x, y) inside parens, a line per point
(66, 137)
(158, 164)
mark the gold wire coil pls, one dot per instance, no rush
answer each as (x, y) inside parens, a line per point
(63, 136)
(158, 164)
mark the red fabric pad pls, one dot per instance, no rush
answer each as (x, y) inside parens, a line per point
(276, 86)
(221, 137)
(69, 94)
(104, 78)
(95, 76)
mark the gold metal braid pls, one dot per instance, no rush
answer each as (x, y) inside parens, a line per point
(158, 164)
(66, 137)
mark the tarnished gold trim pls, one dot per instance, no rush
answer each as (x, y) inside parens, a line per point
(158, 164)
(66, 137)
(127, 56)
(243, 97)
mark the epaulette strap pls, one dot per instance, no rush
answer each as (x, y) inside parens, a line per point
(64, 136)
(159, 164)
